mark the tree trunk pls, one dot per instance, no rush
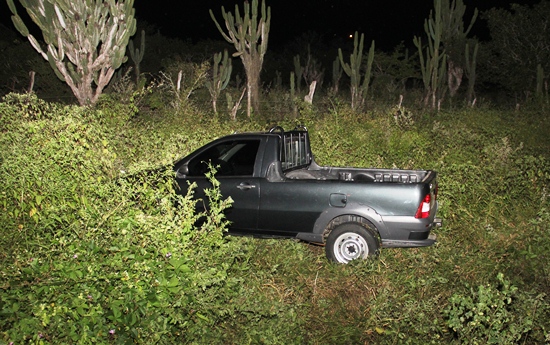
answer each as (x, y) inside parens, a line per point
(252, 65)
(454, 75)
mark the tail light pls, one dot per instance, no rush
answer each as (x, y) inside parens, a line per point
(424, 208)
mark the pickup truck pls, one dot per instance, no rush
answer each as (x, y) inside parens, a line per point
(280, 191)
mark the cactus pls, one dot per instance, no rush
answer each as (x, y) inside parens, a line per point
(221, 75)
(278, 82)
(313, 70)
(433, 64)
(293, 93)
(453, 38)
(336, 75)
(353, 70)
(85, 41)
(298, 72)
(249, 35)
(137, 55)
(541, 90)
(234, 107)
(470, 64)
(292, 85)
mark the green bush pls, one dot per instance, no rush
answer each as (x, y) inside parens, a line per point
(493, 314)
(95, 247)
(93, 257)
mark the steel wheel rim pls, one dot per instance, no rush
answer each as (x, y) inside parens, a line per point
(350, 246)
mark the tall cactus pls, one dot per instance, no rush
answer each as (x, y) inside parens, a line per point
(136, 54)
(454, 39)
(85, 40)
(541, 89)
(470, 64)
(293, 94)
(433, 65)
(336, 75)
(221, 74)
(299, 72)
(353, 70)
(249, 35)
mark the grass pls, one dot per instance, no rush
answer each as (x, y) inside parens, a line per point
(153, 278)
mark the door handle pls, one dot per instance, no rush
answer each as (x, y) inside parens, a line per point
(246, 186)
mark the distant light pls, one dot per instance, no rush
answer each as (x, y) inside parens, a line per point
(350, 36)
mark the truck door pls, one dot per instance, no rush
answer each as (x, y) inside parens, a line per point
(235, 160)
(292, 206)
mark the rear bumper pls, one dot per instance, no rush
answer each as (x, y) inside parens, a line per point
(416, 238)
(432, 238)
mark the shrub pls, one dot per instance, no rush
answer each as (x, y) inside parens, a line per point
(89, 257)
(492, 314)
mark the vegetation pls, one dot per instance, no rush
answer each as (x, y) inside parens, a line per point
(95, 251)
(519, 43)
(85, 41)
(249, 35)
(95, 248)
(358, 89)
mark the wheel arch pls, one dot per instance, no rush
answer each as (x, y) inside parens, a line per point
(351, 218)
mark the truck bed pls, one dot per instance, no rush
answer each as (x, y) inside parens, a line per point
(358, 174)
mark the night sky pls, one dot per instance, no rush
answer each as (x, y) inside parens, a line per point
(388, 22)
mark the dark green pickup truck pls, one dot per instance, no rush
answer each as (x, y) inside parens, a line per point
(279, 191)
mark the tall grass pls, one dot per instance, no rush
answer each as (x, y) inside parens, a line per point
(90, 255)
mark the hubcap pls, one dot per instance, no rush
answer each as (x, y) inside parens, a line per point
(350, 246)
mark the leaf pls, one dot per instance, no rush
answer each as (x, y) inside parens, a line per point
(116, 311)
(15, 307)
(173, 282)
(200, 316)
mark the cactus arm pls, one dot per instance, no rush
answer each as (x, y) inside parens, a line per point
(249, 35)
(85, 41)
(353, 70)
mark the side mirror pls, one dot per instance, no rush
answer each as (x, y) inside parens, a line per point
(183, 171)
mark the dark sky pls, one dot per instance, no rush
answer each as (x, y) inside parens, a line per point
(388, 22)
(379, 20)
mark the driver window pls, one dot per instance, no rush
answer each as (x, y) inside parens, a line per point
(231, 158)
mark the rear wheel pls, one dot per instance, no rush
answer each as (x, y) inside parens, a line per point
(350, 241)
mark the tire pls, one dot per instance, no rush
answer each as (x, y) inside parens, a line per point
(350, 241)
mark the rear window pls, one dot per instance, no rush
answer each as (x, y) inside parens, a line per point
(295, 151)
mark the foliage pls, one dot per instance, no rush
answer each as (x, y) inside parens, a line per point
(94, 257)
(490, 315)
(18, 60)
(180, 80)
(392, 72)
(519, 42)
(95, 247)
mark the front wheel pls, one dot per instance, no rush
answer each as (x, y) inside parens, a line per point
(350, 241)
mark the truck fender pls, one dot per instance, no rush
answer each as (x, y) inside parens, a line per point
(350, 210)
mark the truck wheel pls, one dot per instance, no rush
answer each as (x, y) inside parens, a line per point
(350, 241)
